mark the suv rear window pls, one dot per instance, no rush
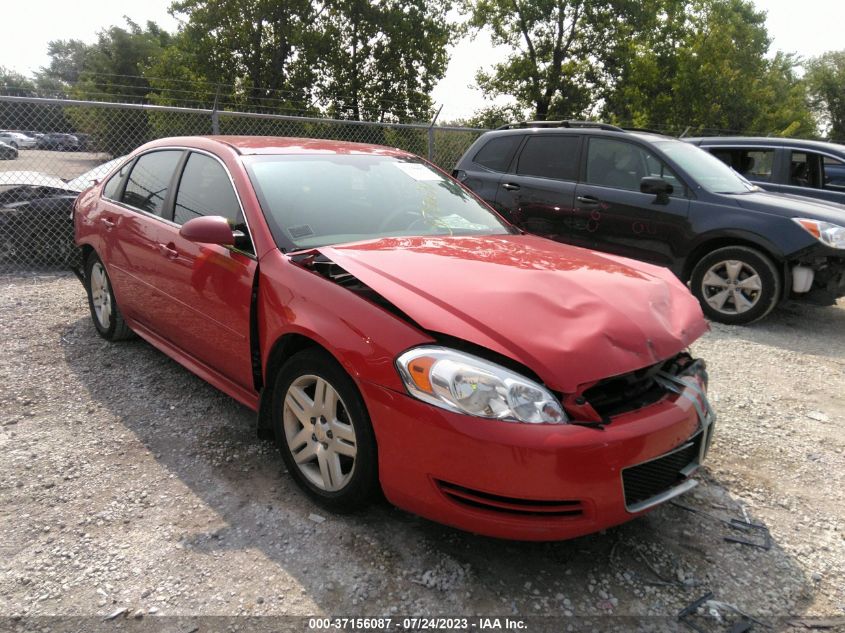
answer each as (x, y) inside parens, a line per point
(550, 157)
(496, 155)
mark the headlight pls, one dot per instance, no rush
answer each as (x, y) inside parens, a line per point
(468, 384)
(827, 233)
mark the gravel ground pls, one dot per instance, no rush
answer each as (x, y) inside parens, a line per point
(128, 483)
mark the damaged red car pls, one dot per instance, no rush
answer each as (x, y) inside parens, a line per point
(396, 335)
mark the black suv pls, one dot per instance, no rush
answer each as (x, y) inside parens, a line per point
(805, 168)
(664, 201)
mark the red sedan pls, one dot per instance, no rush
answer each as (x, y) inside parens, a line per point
(395, 334)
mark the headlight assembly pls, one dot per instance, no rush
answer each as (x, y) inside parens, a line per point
(825, 232)
(468, 384)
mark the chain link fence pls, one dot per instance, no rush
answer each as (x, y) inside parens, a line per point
(51, 149)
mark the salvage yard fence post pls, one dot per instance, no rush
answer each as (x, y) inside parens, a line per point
(40, 180)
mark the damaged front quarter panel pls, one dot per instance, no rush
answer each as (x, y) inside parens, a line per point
(571, 315)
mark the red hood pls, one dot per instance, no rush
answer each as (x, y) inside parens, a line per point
(572, 315)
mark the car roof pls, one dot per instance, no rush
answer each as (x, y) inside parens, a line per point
(265, 145)
(766, 140)
(592, 131)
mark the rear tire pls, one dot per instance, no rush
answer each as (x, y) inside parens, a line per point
(105, 314)
(324, 433)
(736, 285)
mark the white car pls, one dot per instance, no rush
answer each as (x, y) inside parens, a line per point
(17, 140)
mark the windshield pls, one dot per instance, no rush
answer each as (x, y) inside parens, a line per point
(312, 201)
(707, 170)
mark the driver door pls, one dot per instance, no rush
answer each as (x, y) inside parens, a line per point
(621, 219)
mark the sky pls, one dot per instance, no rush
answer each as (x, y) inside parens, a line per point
(30, 24)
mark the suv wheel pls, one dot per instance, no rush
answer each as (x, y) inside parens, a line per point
(736, 285)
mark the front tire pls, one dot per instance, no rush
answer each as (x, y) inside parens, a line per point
(324, 433)
(105, 314)
(736, 285)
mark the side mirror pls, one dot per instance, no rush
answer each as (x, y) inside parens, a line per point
(208, 229)
(656, 187)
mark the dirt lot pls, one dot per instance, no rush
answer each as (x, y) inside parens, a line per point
(126, 482)
(65, 165)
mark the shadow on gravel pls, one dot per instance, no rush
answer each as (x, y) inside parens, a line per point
(386, 561)
(788, 326)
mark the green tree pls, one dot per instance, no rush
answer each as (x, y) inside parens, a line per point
(558, 47)
(702, 64)
(261, 52)
(825, 79)
(14, 84)
(380, 60)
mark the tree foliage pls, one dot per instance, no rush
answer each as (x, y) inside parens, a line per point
(349, 58)
(703, 64)
(826, 84)
(665, 64)
(556, 45)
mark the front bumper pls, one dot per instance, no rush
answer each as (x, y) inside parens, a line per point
(535, 482)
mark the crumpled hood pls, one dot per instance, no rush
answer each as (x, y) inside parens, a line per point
(572, 315)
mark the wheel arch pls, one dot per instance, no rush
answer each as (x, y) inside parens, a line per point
(283, 348)
(749, 240)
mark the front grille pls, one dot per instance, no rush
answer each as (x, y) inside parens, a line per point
(628, 392)
(510, 505)
(645, 481)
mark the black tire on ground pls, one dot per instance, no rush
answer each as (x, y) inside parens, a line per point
(362, 486)
(113, 328)
(746, 282)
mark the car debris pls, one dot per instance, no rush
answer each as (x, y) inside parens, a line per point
(737, 524)
(116, 614)
(713, 608)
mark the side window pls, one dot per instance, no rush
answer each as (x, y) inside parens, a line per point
(497, 153)
(622, 165)
(112, 186)
(205, 189)
(149, 180)
(834, 174)
(552, 156)
(756, 164)
(806, 170)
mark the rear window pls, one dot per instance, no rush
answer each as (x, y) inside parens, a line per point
(496, 155)
(550, 157)
(112, 186)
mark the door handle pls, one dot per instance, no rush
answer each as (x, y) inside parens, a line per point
(108, 223)
(510, 186)
(588, 200)
(168, 251)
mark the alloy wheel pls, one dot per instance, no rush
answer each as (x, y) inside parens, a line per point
(101, 295)
(731, 287)
(319, 433)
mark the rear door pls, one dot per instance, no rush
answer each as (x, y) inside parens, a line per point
(617, 215)
(130, 215)
(207, 288)
(539, 191)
